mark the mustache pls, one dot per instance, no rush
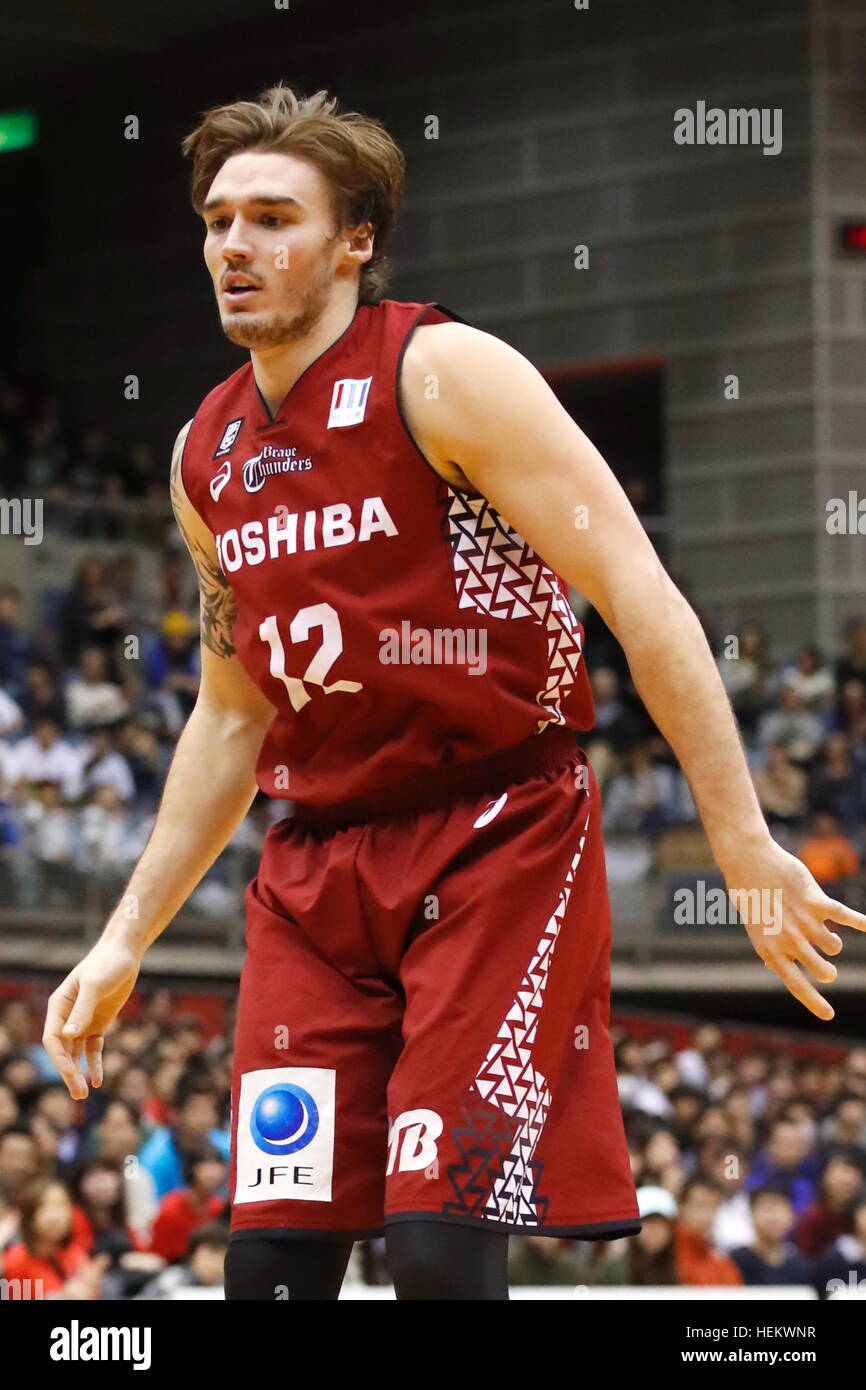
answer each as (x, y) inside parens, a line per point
(254, 284)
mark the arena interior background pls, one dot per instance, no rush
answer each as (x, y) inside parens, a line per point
(696, 307)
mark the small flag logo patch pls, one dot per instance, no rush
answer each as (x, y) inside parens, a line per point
(348, 402)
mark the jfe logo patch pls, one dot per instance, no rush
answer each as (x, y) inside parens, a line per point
(285, 1145)
(348, 402)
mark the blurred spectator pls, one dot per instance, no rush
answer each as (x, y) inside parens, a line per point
(617, 728)
(646, 798)
(90, 615)
(850, 716)
(173, 667)
(662, 1159)
(92, 700)
(785, 1164)
(852, 666)
(688, 1104)
(123, 578)
(110, 837)
(202, 1270)
(812, 680)
(781, 788)
(18, 1029)
(827, 853)
(50, 825)
(542, 1260)
(140, 470)
(11, 714)
(837, 783)
(9, 1107)
(196, 1204)
(647, 1259)
(17, 649)
(19, 1163)
(793, 726)
(104, 766)
(727, 1165)
(98, 1190)
(845, 1126)
(48, 1261)
(769, 1258)
(827, 1216)
(172, 587)
(195, 1120)
(46, 757)
(698, 1261)
(54, 1105)
(42, 698)
(146, 759)
(843, 1265)
(692, 1062)
(44, 458)
(748, 675)
(116, 1139)
(636, 1090)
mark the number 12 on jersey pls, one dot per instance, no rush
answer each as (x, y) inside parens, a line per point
(316, 615)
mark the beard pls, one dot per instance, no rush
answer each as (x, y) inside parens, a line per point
(292, 320)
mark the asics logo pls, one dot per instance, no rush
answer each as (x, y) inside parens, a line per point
(490, 812)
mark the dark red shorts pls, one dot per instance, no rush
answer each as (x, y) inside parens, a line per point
(423, 1025)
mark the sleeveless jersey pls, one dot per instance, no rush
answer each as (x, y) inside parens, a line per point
(398, 624)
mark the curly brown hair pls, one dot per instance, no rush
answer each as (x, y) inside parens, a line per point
(363, 167)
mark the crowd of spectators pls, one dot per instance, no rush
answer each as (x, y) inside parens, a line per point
(750, 1167)
(803, 724)
(91, 705)
(79, 472)
(750, 1170)
(92, 702)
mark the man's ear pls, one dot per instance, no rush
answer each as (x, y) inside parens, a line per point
(359, 240)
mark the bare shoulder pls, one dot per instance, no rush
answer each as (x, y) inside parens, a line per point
(451, 347)
(177, 487)
(440, 364)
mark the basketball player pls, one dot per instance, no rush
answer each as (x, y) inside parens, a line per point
(380, 504)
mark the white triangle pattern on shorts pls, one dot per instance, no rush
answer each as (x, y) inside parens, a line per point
(497, 572)
(509, 1080)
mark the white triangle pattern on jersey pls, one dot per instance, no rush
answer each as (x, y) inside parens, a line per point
(509, 1080)
(498, 573)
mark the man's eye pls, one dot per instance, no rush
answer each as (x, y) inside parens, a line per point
(217, 224)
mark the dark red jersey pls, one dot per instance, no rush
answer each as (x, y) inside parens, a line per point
(398, 625)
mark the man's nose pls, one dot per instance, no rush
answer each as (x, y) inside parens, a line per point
(237, 242)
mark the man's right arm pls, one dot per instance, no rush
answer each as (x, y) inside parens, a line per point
(209, 789)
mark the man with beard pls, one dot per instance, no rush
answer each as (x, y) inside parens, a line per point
(422, 1042)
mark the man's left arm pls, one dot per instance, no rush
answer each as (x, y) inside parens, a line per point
(493, 417)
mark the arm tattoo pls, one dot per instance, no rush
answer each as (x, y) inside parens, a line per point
(217, 602)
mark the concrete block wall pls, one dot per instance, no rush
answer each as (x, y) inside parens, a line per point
(839, 105)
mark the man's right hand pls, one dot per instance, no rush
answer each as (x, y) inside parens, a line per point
(82, 1008)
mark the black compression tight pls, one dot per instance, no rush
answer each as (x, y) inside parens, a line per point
(426, 1260)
